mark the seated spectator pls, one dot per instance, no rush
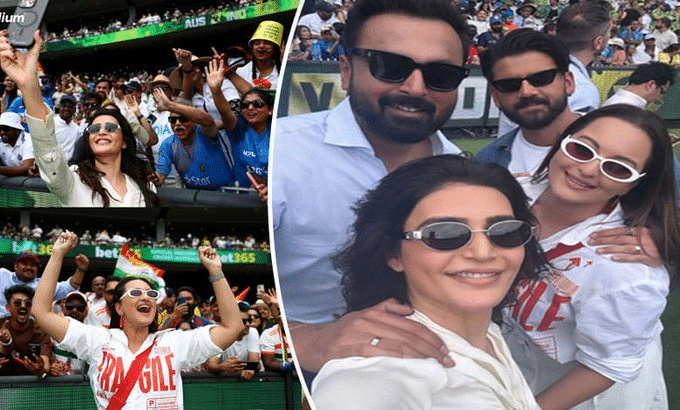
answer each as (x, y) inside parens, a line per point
(648, 83)
(275, 351)
(185, 310)
(671, 55)
(632, 34)
(66, 363)
(481, 21)
(616, 54)
(66, 130)
(20, 338)
(323, 16)
(245, 349)
(194, 149)
(265, 315)
(488, 39)
(16, 148)
(255, 320)
(301, 47)
(86, 237)
(525, 16)
(9, 94)
(327, 47)
(647, 51)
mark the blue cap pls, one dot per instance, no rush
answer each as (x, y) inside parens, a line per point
(508, 13)
(496, 18)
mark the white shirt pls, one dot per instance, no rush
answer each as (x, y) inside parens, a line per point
(240, 348)
(478, 381)
(314, 22)
(591, 310)
(525, 156)
(322, 164)
(108, 355)
(664, 39)
(11, 156)
(67, 135)
(586, 97)
(64, 182)
(624, 96)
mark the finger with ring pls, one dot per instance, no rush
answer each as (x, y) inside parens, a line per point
(638, 249)
(375, 341)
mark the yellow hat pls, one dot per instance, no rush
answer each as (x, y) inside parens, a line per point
(270, 31)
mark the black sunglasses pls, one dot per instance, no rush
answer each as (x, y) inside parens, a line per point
(246, 321)
(108, 127)
(451, 235)
(71, 306)
(181, 118)
(22, 302)
(539, 79)
(254, 103)
(395, 68)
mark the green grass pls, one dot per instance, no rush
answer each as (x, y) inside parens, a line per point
(670, 318)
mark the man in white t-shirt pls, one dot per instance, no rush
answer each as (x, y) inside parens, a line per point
(16, 148)
(322, 17)
(530, 82)
(65, 129)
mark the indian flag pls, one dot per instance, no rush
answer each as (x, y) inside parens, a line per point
(129, 264)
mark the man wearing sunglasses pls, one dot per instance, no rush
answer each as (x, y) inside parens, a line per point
(66, 363)
(530, 83)
(21, 340)
(16, 148)
(648, 83)
(26, 272)
(401, 71)
(194, 149)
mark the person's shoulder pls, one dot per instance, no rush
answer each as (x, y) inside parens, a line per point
(302, 124)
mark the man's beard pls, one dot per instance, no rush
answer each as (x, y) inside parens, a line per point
(395, 128)
(542, 120)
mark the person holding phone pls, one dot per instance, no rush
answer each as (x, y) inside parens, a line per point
(248, 133)
(132, 344)
(109, 175)
(449, 237)
(27, 346)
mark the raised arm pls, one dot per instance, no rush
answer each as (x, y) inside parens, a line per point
(196, 115)
(53, 324)
(230, 325)
(23, 69)
(215, 76)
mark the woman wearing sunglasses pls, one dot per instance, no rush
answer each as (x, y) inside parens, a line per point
(450, 237)
(132, 362)
(110, 173)
(594, 323)
(248, 133)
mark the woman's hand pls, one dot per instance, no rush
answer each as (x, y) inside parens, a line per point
(20, 67)
(210, 259)
(627, 244)
(214, 74)
(64, 243)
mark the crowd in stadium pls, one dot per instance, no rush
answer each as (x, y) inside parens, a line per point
(202, 124)
(642, 31)
(70, 30)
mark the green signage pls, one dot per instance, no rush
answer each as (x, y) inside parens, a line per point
(176, 255)
(220, 17)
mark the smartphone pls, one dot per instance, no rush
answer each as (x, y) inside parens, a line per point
(252, 366)
(27, 18)
(181, 300)
(260, 288)
(33, 349)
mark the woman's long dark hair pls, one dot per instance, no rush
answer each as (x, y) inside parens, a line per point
(130, 163)
(651, 202)
(381, 215)
(118, 292)
(276, 57)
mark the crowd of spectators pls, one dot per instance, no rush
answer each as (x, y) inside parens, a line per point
(123, 21)
(181, 135)
(642, 30)
(136, 239)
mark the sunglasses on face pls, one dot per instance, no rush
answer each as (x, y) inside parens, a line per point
(254, 103)
(395, 68)
(611, 168)
(253, 317)
(71, 306)
(108, 127)
(22, 302)
(137, 293)
(180, 118)
(539, 79)
(246, 321)
(451, 235)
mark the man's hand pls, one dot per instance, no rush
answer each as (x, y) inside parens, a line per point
(247, 374)
(233, 364)
(183, 57)
(627, 244)
(162, 101)
(3, 360)
(210, 259)
(381, 330)
(260, 187)
(35, 364)
(82, 262)
(5, 335)
(58, 368)
(131, 102)
(214, 74)
(65, 243)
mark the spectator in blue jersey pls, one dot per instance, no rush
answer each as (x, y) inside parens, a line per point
(493, 36)
(327, 47)
(248, 133)
(194, 149)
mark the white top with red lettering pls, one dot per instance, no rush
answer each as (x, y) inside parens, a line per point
(592, 310)
(159, 385)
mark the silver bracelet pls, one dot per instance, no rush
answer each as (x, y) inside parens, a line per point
(215, 278)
